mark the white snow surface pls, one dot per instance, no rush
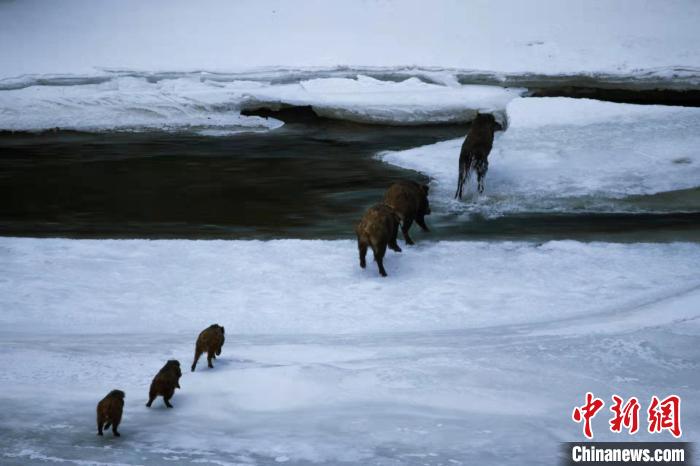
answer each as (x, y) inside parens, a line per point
(212, 107)
(293, 286)
(468, 353)
(544, 36)
(569, 155)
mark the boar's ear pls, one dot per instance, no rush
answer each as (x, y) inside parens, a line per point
(222, 329)
(425, 188)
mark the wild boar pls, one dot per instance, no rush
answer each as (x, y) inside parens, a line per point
(377, 229)
(210, 340)
(165, 382)
(475, 151)
(109, 412)
(410, 201)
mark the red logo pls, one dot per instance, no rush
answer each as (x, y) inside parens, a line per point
(665, 415)
(587, 412)
(626, 416)
(661, 415)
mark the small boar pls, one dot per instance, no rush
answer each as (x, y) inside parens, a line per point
(377, 229)
(476, 149)
(109, 412)
(410, 201)
(165, 382)
(210, 340)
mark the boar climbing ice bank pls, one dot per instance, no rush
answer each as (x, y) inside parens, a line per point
(109, 412)
(210, 341)
(410, 202)
(377, 229)
(475, 151)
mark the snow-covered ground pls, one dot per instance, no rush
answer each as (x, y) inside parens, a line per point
(468, 352)
(58, 286)
(562, 154)
(543, 36)
(204, 103)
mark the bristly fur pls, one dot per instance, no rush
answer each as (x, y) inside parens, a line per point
(210, 340)
(410, 201)
(475, 151)
(109, 412)
(378, 229)
(165, 382)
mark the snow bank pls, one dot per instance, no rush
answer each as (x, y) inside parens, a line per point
(560, 111)
(292, 286)
(570, 155)
(410, 101)
(128, 104)
(551, 37)
(203, 104)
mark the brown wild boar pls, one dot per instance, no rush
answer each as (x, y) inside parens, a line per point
(165, 382)
(109, 412)
(410, 201)
(476, 149)
(377, 229)
(210, 341)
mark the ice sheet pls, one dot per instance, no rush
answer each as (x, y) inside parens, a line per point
(291, 286)
(467, 353)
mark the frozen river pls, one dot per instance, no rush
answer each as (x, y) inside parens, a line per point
(468, 352)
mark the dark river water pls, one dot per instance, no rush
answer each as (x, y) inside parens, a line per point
(310, 179)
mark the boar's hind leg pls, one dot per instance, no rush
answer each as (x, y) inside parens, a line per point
(405, 226)
(379, 251)
(461, 178)
(362, 246)
(151, 396)
(482, 167)
(210, 356)
(115, 423)
(394, 234)
(197, 354)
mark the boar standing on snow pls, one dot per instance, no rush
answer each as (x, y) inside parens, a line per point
(109, 412)
(410, 201)
(210, 341)
(377, 229)
(165, 382)
(475, 151)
